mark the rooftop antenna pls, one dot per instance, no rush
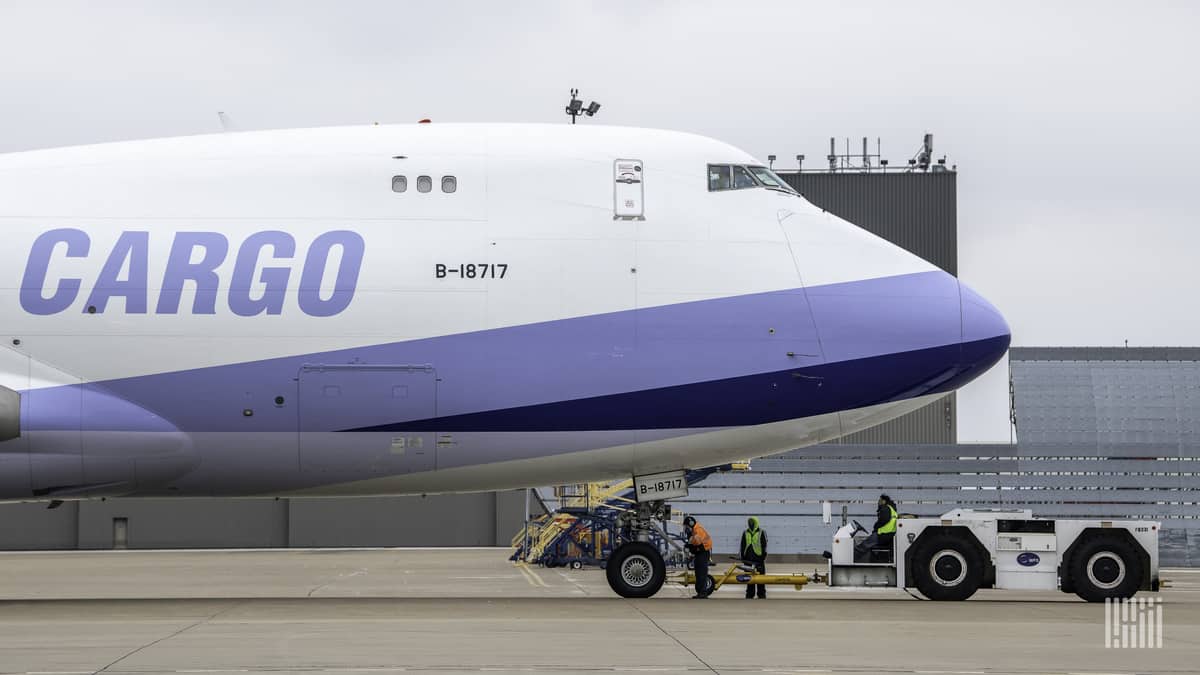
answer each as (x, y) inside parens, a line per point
(575, 107)
(845, 161)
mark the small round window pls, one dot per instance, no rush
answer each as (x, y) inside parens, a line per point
(449, 184)
(399, 183)
(424, 183)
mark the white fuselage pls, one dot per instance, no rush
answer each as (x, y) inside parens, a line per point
(265, 313)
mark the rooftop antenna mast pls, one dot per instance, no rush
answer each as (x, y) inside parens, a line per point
(849, 161)
(846, 161)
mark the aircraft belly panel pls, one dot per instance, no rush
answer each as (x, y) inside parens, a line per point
(335, 398)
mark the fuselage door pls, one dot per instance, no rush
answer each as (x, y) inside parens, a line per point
(628, 190)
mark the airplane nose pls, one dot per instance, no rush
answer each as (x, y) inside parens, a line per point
(902, 336)
(985, 333)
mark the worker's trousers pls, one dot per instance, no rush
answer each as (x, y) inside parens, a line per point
(700, 563)
(760, 566)
(862, 550)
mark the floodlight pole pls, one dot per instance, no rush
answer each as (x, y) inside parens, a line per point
(572, 109)
(575, 107)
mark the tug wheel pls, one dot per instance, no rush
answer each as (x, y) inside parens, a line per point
(947, 568)
(1105, 567)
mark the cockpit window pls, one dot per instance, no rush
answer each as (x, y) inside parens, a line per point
(718, 177)
(769, 178)
(738, 177)
(742, 178)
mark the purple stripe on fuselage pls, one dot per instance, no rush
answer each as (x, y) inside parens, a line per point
(569, 359)
(742, 401)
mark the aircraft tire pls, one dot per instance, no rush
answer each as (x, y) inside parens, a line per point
(636, 570)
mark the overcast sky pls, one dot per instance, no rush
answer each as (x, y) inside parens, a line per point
(1073, 124)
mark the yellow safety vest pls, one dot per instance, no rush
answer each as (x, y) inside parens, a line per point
(890, 526)
(754, 541)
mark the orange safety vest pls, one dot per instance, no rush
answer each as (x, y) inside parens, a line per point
(700, 537)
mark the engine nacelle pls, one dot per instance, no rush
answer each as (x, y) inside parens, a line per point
(61, 438)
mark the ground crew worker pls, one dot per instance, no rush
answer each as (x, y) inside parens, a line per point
(884, 532)
(700, 545)
(754, 552)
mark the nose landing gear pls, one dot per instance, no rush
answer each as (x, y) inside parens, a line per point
(636, 568)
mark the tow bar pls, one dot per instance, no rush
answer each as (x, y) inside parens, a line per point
(740, 573)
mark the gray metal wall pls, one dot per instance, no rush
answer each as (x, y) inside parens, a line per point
(934, 423)
(1116, 429)
(916, 211)
(484, 519)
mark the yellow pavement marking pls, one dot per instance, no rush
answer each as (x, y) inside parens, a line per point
(531, 576)
(537, 577)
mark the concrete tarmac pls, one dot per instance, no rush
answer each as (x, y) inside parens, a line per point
(471, 611)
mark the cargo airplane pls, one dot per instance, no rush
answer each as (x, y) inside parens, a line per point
(435, 308)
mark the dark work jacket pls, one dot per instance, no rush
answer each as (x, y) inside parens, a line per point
(748, 551)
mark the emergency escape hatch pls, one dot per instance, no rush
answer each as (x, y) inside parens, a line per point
(627, 190)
